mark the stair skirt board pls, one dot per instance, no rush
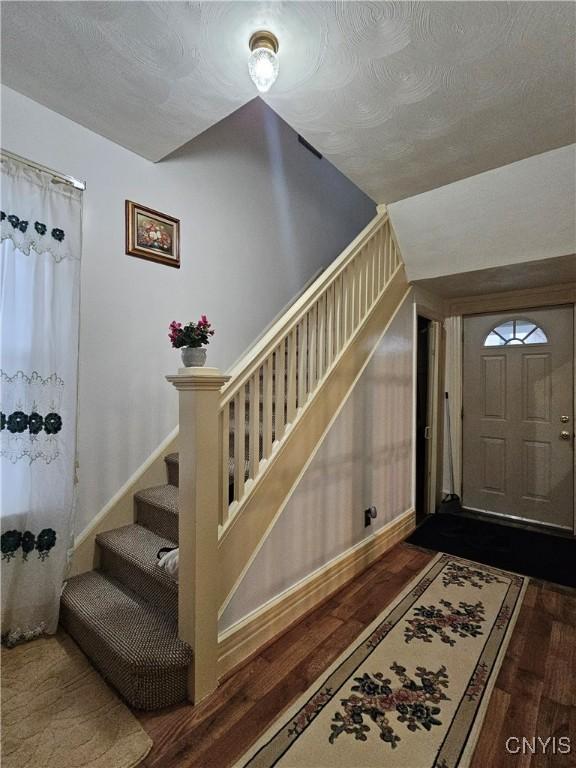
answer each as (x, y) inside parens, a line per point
(119, 510)
(243, 640)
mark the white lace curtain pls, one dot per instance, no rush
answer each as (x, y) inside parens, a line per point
(39, 318)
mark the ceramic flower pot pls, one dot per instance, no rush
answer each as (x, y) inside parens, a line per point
(193, 357)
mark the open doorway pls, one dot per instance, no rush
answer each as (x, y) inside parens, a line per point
(428, 436)
(422, 414)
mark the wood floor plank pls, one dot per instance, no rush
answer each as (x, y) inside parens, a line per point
(560, 685)
(328, 651)
(291, 658)
(348, 598)
(558, 722)
(559, 604)
(532, 593)
(167, 727)
(380, 596)
(221, 741)
(534, 692)
(521, 717)
(506, 680)
(489, 750)
(538, 629)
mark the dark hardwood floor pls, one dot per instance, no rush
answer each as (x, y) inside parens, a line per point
(535, 694)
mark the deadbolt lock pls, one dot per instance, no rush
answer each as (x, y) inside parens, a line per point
(564, 435)
(564, 419)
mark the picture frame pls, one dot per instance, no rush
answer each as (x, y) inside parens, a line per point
(152, 235)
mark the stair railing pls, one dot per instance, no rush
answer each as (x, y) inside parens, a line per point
(232, 427)
(270, 388)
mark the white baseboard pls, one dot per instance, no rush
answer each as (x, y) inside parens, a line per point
(241, 641)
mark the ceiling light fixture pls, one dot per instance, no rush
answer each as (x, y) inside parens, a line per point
(263, 61)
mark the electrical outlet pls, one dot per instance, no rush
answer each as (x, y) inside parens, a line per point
(369, 515)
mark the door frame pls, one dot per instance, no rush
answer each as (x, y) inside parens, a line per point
(456, 310)
(435, 398)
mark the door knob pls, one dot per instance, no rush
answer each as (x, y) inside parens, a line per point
(564, 435)
(564, 419)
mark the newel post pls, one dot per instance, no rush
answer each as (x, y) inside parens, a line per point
(199, 483)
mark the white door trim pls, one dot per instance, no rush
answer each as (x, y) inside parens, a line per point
(454, 372)
(454, 340)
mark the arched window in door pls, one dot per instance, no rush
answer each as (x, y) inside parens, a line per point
(517, 331)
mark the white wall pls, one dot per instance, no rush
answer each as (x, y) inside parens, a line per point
(365, 459)
(520, 212)
(259, 215)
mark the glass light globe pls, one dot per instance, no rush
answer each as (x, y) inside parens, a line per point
(263, 68)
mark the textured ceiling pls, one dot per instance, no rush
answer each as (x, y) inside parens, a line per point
(524, 211)
(532, 274)
(402, 97)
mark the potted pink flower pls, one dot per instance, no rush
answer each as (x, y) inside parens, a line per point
(191, 339)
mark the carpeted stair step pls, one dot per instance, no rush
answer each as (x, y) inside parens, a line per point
(133, 644)
(172, 468)
(157, 510)
(129, 555)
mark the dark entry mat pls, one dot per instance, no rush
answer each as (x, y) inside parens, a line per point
(541, 555)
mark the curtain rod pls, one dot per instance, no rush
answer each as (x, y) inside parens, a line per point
(58, 178)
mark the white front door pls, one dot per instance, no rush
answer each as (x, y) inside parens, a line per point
(518, 415)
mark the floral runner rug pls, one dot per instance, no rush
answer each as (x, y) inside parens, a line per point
(412, 690)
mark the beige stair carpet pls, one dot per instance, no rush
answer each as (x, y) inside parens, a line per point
(412, 691)
(57, 712)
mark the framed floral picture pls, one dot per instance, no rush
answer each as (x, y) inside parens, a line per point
(152, 235)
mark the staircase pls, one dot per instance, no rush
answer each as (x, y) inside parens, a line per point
(244, 439)
(124, 615)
